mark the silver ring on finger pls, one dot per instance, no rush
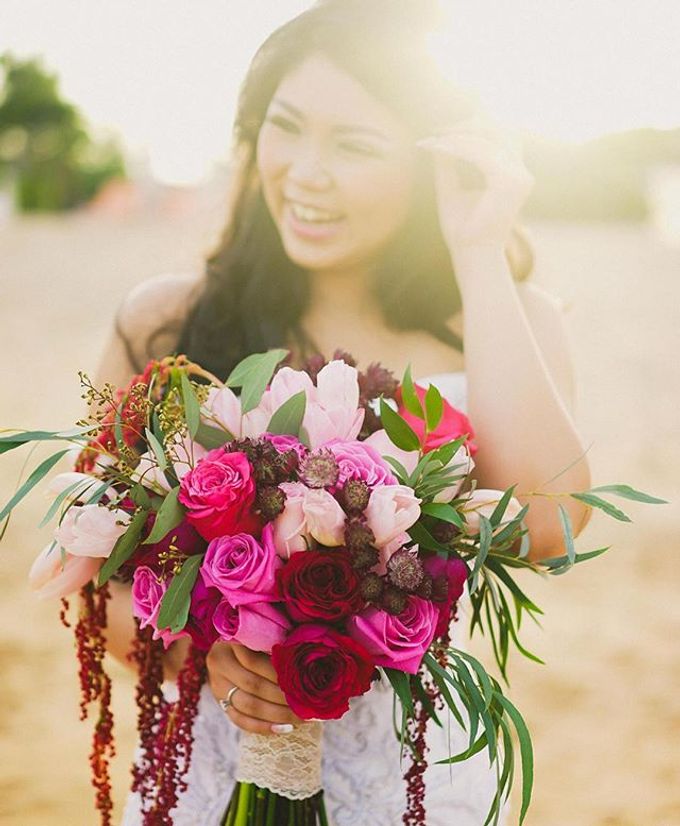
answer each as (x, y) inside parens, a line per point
(227, 703)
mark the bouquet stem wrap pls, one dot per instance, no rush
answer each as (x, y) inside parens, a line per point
(287, 764)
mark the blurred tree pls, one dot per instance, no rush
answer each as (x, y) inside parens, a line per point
(45, 150)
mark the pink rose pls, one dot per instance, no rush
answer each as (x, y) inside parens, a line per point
(257, 625)
(241, 568)
(290, 526)
(52, 580)
(91, 530)
(218, 494)
(483, 501)
(324, 517)
(390, 511)
(453, 423)
(396, 641)
(147, 593)
(358, 460)
(454, 572)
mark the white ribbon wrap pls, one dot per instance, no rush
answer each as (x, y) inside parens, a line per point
(287, 764)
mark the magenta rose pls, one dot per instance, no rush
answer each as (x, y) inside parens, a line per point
(396, 641)
(452, 575)
(319, 585)
(319, 669)
(453, 424)
(147, 593)
(357, 460)
(257, 625)
(218, 494)
(204, 602)
(243, 568)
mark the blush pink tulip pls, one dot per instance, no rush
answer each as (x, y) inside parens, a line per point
(91, 530)
(290, 526)
(324, 517)
(51, 580)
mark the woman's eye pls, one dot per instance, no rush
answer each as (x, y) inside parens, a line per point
(360, 149)
(283, 123)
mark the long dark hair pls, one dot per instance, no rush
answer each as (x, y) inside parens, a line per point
(253, 296)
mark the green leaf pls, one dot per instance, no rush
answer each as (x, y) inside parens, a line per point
(500, 508)
(401, 685)
(211, 437)
(630, 493)
(192, 409)
(157, 449)
(402, 473)
(565, 519)
(140, 497)
(253, 376)
(446, 452)
(410, 396)
(440, 679)
(485, 537)
(596, 502)
(398, 429)
(464, 755)
(174, 610)
(81, 485)
(124, 547)
(35, 477)
(288, 418)
(239, 375)
(420, 534)
(169, 515)
(558, 561)
(526, 753)
(443, 512)
(434, 407)
(22, 437)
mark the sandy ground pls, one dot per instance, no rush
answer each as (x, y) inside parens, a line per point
(604, 711)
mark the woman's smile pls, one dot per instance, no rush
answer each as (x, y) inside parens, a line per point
(311, 223)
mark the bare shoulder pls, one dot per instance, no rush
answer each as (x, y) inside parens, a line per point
(539, 299)
(159, 300)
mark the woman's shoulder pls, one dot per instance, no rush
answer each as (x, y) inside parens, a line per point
(159, 299)
(151, 316)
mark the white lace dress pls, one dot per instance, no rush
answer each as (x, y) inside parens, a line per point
(363, 782)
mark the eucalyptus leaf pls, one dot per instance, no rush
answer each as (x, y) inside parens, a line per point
(500, 508)
(157, 449)
(287, 419)
(174, 610)
(401, 685)
(627, 492)
(22, 437)
(211, 437)
(124, 548)
(607, 507)
(485, 537)
(36, 476)
(169, 515)
(82, 485)
(192, 409)
(565, 521)
(526, 754)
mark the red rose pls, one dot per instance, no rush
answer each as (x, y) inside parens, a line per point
(453, 423)
(319, 669)
(218, 494)
(319, 585)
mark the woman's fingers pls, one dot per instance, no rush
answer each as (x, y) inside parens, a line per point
(251, 706)
(255, 725)
(225, 670)
(255, 661)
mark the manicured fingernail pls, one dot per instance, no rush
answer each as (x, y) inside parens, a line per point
(282, 728)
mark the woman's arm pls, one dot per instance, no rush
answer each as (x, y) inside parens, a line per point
(524, 429)
(523, 425)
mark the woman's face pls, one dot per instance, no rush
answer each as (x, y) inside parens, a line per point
(336, 168)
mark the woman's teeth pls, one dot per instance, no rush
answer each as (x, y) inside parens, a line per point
(313, 215)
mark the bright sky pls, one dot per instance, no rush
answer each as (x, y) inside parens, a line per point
(165, 73)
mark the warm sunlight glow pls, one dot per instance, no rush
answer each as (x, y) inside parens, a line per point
(165, 75)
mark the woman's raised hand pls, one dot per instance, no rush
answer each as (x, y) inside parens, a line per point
(259, 705)
(481, 182)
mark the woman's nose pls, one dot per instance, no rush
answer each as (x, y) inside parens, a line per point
(310, 170)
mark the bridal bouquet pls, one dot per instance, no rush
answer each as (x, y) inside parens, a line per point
(326, 516)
